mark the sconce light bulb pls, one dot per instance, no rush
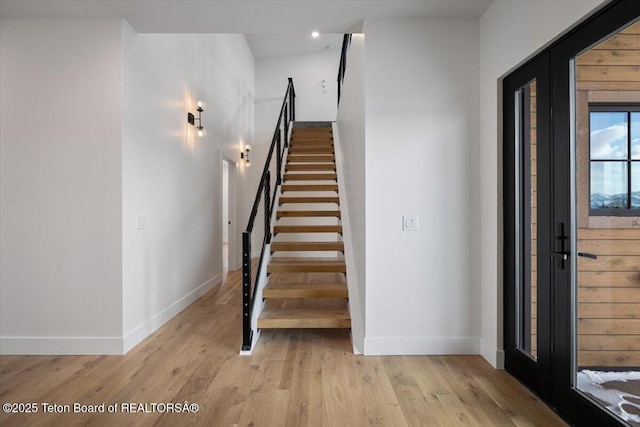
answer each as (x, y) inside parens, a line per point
(201, 104)
(201, 132)
(315, 34)
(248, 163)
(247, 147)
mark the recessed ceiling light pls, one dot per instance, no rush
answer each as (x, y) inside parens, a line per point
(315, 34)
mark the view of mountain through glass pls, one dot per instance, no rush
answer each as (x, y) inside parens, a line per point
(614, 154)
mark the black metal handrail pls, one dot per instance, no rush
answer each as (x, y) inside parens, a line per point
(278, 144)
(342, 68)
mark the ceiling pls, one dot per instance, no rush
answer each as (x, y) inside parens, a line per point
(273, 27)
(274, 45)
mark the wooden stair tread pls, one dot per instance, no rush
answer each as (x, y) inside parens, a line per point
(310, 176)
(319, 133)
(312, 150)
(326, 199)
(307, 246)
(309, 187)
(318, 213)
(306, 266)
(310, 141)
(307, 229)
(305, 290)
(304, 318)
(310, 167)
(310, 158)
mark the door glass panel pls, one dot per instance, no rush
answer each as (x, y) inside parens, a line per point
(526, 298)
(635, 185)
(608, 185)
(606, 229)
(635, 136)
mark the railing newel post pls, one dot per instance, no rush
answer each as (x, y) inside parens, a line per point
(247, 332)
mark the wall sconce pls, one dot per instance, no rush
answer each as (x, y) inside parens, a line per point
(201, 132)
(245, 154)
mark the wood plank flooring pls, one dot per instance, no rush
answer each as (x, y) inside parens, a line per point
(294, 378)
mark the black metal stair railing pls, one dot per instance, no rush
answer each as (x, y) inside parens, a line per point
(265, 196)
(342, 68)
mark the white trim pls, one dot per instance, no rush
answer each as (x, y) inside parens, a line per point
(137, 335)
(357, 317)
(382, 346)
(60, 346)
(235, 241)
(492, 354)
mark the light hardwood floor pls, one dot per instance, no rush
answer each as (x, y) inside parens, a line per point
(294, 378)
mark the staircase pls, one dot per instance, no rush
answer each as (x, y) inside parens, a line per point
(307, 272)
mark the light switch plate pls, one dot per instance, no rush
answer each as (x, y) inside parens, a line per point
(410, 223)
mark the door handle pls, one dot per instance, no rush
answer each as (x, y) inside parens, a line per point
(587, 255)
(562, 255)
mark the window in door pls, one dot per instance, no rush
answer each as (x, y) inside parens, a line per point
(614, 159)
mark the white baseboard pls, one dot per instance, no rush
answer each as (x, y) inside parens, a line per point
(492, 355)
(60, 346)
(137, 335)
(63, 346)
(383, 346)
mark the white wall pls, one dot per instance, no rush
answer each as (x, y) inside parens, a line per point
(307, 71)
(350, 143)
(510, 32)
(421, 122)
(61, 186)
(170, 176)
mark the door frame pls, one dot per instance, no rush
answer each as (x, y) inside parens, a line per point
(570, 402)
(536, 373)
(558, 392)
(234, 241)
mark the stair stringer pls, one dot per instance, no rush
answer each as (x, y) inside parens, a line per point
(355, 299)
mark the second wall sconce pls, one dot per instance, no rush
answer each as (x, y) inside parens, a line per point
(245, 154)
(201, 132)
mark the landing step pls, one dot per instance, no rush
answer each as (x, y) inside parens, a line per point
(301, 125)
(282, 214)
(307, 229)
(306, 266)
(311, 167)
(305, 290)
(302, 158)
(310, 177)
(312, 150)
(309, 187)
(304, 318)
(327, 199)
(307, 246)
